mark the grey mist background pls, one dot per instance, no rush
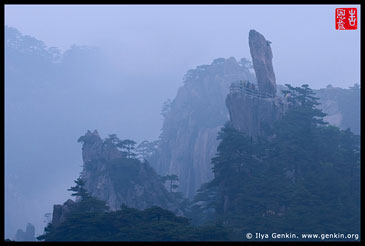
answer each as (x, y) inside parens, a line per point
(139, 55)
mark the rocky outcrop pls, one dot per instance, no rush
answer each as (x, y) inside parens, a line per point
(94, 148)
(250, 114)
(262, 62)
(116, 179)
(188, 139)
(253, 109)
(342, 106)
(61, 211)
(28, 235)
(112, 177)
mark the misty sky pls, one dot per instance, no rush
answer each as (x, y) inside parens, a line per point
(170, 39)
(152, 47)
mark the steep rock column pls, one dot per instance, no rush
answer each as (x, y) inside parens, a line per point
(262, 62)
(251, 111)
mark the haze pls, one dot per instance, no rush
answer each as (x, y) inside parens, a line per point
(148, 49)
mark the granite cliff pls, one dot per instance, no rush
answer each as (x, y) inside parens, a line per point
(342, 106)
(262, 62)
(253, 108)
(60, 212)
(188, 138)
(115, 178)
(206, 101)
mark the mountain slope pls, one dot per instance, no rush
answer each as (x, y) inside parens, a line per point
(113, 177)
(192, 121)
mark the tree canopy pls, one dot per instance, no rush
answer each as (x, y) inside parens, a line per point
(304, 176)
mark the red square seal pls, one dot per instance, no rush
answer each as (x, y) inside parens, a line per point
(346, 18)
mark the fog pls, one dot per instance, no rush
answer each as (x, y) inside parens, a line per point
(144, 53)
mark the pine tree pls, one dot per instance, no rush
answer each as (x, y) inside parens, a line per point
(86, 202)
(128, 147)
(306, 171)
(79, 189)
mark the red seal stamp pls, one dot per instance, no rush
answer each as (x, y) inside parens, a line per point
(346, 18)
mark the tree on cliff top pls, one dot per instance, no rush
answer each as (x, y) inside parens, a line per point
(304, 96)
(307, 171)
(128, 147)
(87, 202)
(112, 139)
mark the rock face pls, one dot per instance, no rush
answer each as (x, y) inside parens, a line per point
(60, 211)
(250, 114)
(28, 235)
(112, 177)
(342, 106)
(262, 62)
(251, 109)
(188, 139)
